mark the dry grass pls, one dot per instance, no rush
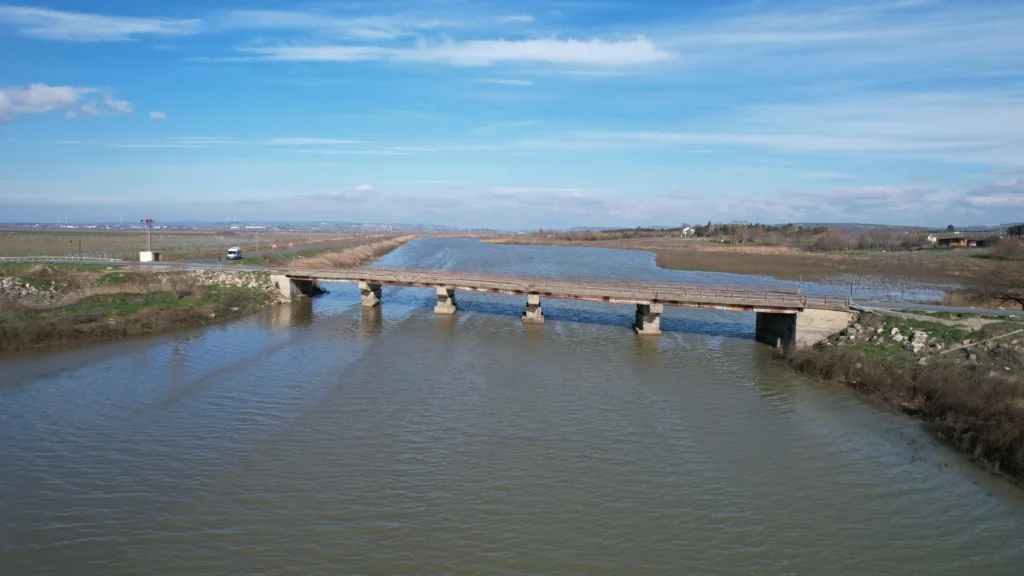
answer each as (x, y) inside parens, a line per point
(176, 245)
(350, 257)
(979, 412)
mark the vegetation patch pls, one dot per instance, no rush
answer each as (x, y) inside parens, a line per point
(966, 385)
(117, 315)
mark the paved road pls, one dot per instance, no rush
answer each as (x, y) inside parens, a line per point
(934, 308)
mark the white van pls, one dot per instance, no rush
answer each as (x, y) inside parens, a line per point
(234, 253)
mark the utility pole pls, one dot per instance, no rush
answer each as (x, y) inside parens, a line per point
(149, 233)
(257, 241)
(79, 247)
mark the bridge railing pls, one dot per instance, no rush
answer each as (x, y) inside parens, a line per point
(589, 286)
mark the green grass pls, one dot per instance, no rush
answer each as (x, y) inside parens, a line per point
(936, 332)
(128, 304)
(37, 283)
(121, 278)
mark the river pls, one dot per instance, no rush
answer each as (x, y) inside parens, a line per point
(321, 438)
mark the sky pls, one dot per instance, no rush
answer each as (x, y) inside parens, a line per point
(513, 115)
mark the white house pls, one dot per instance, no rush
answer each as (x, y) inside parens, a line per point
(688, 231)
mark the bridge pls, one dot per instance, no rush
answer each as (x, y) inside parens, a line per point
(784, 318)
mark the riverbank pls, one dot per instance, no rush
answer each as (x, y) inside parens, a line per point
(350, 257)
(58, 305)
(962, 378)
(944, 266)
(51, 305)
(368, 250)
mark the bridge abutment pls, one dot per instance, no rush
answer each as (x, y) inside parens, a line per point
(802, 329)
(370, 294)
(445, 301)
(294, 288)
(533, 313)
(648, 319)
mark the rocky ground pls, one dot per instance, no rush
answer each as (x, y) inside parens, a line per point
(998, 344)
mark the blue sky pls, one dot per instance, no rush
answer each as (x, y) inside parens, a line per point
(513, 115)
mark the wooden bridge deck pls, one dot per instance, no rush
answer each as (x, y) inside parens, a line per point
(687, 295)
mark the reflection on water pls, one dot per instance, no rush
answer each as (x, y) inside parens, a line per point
(324, 437)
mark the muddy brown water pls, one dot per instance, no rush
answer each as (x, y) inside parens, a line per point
(321, 438)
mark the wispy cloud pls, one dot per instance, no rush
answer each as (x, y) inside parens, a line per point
(1005, 194)
(360, 193)
(72, 100)
(157, 115)
(82, 27)
(306, 141)
(518, 18)
(829, 176)
(593, 52)
(355, 152)
(504, 81)
(362, 28)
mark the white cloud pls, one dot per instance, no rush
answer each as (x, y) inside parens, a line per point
(365, 28)
(593, 52)
(961, 127)
(119, 106)
(360, 193)
(504, 81)
(1007, 194)
(518, 18)
(356, 152)
(306, 141)
(158, 115)
(829, 176)
(81, 27)
(74, 101)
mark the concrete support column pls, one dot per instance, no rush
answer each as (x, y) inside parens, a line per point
(533, 313)
(283, 285)
(648, 318)
(445, 301)
(802, 329)
(291, 288)
(774, 329)
(370, 294)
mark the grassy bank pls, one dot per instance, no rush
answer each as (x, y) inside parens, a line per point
(42, 306)
(964, 383)
(349, 257)
(947, 266)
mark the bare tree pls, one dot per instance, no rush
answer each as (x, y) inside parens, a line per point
(1005, 284)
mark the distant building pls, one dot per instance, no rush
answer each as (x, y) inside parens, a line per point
(955, 242)
(688, 231)
(932, 238)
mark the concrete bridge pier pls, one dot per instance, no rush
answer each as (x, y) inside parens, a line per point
(648, 318)
(445, 301)
(292, 288)
(800, 329)
(533, 313)
(370, 294)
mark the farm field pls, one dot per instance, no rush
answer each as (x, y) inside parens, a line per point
(176, 245)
